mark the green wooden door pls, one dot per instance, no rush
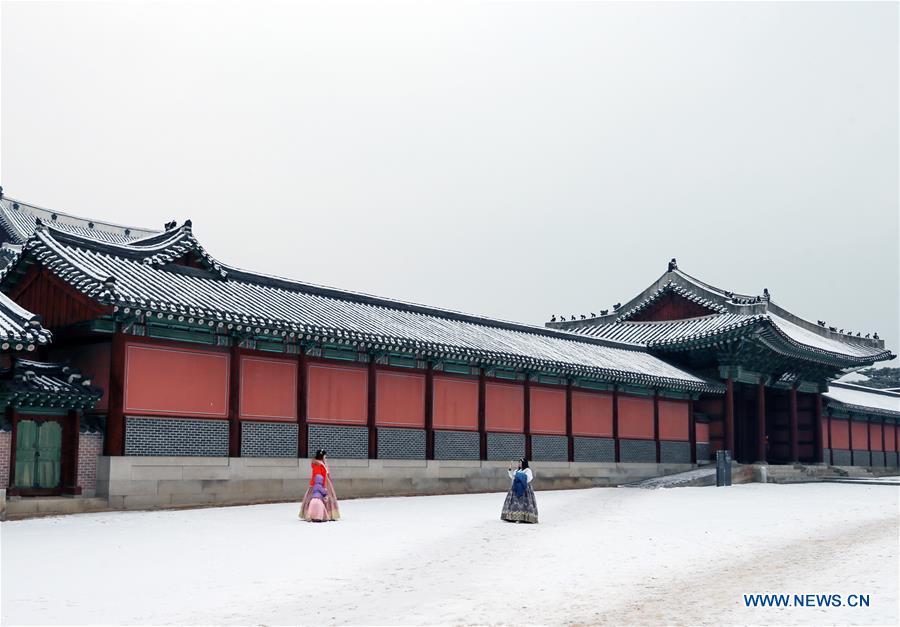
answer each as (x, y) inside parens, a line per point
(38, 454)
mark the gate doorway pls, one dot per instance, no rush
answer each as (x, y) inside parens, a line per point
(43, 455)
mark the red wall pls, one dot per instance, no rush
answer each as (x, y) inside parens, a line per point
(674, 420)
(840, 434)
(876, 436)
(635, 417)
(504, 407)
(400, 399)
(268, 389)
(860, 435)
(455, 404)
(93, 361)
(548, 410)
(337, 394)
(890, 444)
(175, 382)
(592, 414)
(702, 430)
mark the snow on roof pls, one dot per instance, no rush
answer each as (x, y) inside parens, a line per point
(19, 328)
(864, 398)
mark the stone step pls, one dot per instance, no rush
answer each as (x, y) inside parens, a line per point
(22, 507)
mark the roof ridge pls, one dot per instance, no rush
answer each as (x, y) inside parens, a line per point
(24, 206)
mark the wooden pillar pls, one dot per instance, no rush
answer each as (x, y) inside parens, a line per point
(656, 425)
(429, 411)
(729, 415)
(692, 431)
(869, 437)
(527, 417)
(114, 442)
(827, 419)
(302, 395)
(794, 426)
(615, 425)
(761, 421)
(850, 435)
(234, 402)
(570, 437)
(370, 414)
(482, 423)
(883, 447)
(817, 427)
(68, 467)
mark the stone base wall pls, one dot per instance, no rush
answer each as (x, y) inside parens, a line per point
(152, 482)
(90, 448)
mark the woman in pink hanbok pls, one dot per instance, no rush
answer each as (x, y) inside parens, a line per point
(320, 502)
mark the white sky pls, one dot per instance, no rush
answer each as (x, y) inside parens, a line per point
(510, 159)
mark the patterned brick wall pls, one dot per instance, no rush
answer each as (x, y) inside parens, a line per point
(826, 455)
(892, 459)
(456, 445)
(5, 440)
(637, 451)
(505, 446)
(340, 442)
(674, 452)
(861, 458)
(877, 458)
(595, 449)
(703, 453)
(840, 457)
(176, 437)
(551, 448)
(396, 443)
(90, 448)
(269, 439)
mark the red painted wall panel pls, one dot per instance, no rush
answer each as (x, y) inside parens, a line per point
(890, 444)
(592, 414)
(400, 399)
(268, 389)
(455, 404)
(635, 417)
(175, 382)
(876, 436)
(840, 434)
(860, 436)
(504, 407)
(674, 420)
(702, 430)
(337, 394)
(93, 361)
(548, 410)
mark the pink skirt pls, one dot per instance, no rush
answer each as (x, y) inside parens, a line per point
(317, 511)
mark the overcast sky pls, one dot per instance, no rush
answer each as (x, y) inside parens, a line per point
(508, 159)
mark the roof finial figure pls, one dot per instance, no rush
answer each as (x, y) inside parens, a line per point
(821, 323)
(616, 306)
(1, 191)
(673, 265)
(583, 316)
(868, 335)
(171, 225)
(553, 318)
(603, 312)
(875, 335)
(766, 294)
(573, 317)
(593, 315)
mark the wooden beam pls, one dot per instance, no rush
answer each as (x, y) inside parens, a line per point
(482, 423)
(114, 442)
(817, 426)
(302, 395)
(761, 454)
(429, 411)
(527, 420)
(656, 426)
(794, 426)
(234, 401)
(372, 408)
(615, 424)
(570, 437)
(692, 431)
(729, 415)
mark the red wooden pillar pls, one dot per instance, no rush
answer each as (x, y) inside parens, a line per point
(794, 426)
(692, 431)
(883, 447)
(370, 421)
(114, 442)
(850, 437)
(302, 395)
(68, 468)
(729, 414)
(429, 411)
(818, 424)
(482, 423)
(656, 424)
(761, 421)
(234, 402)
(527, 417)
(615, 425)
(827, 419)
(869, 437)
(570, 437)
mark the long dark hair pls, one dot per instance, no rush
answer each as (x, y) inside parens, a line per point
(523, 464)
(320, 454)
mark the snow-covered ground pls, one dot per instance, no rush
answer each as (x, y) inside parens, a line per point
(613, 556)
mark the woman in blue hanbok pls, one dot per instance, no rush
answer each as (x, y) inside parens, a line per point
(520, 504)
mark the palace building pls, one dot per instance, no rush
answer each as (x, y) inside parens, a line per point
(195, 361)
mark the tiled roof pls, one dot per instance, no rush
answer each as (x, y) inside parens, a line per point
(140, 280)
(20, 329)
(39, 384)
(863, 399)
(730, 314)
(18, 220)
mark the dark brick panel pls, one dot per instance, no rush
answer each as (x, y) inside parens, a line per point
(457, 445)
(268, 439)
(877, 458)
(861, 458)
(841, 457)
(637, 451)
(176, 437)
(703, 453)
(826, 455)
(550, 448)
(505, 446)
(340, 442)
(595, 449)
(674, 452)
(892, 459)
(401, 443)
